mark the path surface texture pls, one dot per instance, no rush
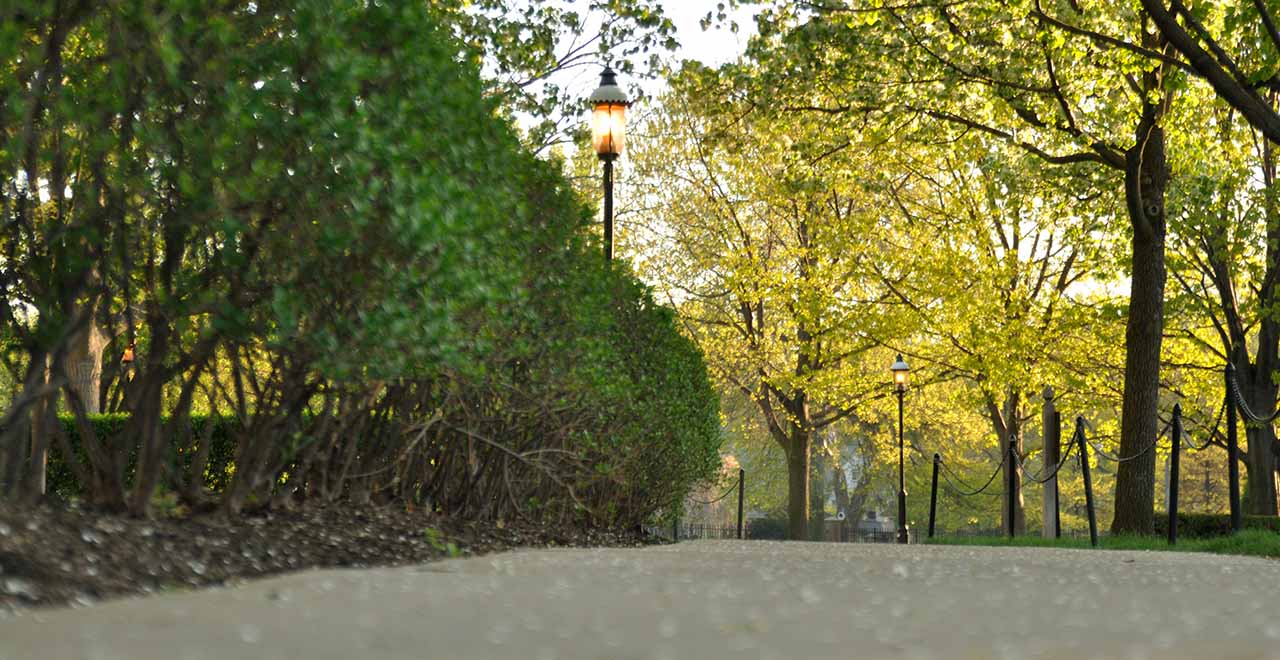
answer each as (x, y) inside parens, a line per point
(701, 600)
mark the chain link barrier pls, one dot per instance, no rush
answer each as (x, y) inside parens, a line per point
(947, 476)
(732, 489)
(1186, 434)
(1097, 448)
(1234, 387)
(1011, 459)
(1044, 479)
(1041, 478)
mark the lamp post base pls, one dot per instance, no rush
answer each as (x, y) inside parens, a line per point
(902, 516)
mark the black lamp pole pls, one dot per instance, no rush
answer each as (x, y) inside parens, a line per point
(608, 204)
(609, 106)
(899, 371)
(902, 486)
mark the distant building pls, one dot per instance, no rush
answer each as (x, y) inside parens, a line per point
(874, 522)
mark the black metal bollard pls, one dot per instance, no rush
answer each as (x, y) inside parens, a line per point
(933, 494)
(1175, 440)
(1057, 510)
(675, 528)
(742, 479)
(1088, 483)
(1233, 452)
(1011, 485)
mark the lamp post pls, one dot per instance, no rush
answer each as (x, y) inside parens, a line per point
(900, 370)
(608, 129)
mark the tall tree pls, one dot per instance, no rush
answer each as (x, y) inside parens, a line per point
(1069, 84)
(1228, 270)
(1235, 47)
(1013, 247)
(762, 237)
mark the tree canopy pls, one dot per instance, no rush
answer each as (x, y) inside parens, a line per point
(1021, 181)
(313, 219)
(358, 235)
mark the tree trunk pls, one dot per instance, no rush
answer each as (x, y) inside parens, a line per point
(1260, 489)
(1146, 177)
(1259, 388)
(44, 414)
(106, 485)
(150, 442)
(840, 487)
(15, 437)
(817, 495)
(1007, 422)
(798, 484)
(1013, 432)
(84, 364)
(194, 483)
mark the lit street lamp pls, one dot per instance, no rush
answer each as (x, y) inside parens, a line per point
(900, 370)
(608, 128)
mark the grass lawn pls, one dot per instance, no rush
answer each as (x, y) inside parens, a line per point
(1252, 542)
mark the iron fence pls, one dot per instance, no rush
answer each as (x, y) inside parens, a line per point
(699, 531)
(690, 531)
(973, 532)
(873, 536)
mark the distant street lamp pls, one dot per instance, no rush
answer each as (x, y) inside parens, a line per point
(900, 370)
(608, 129)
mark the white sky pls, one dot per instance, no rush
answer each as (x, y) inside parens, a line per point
(715, 46)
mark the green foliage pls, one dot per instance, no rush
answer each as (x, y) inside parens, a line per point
(767, 529)
(956, 171)
(219, 432)
(1209, 525)
(1250, 542)
(435, 538)
(319, 221)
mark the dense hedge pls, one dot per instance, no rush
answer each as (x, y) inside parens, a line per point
(348, 248)
(775, 529)
(1205, 525)
(109, 428)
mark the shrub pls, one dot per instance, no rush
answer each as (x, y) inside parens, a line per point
(774, 529)
(62, 482)
(400, 300)
(1206, 525)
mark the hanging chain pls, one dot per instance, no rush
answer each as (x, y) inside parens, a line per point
(726, 494)
(1061, 462)
(968, 491)
(1233, 386)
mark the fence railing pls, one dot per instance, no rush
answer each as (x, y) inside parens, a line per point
(973, 532)
(1012, 464)
(1234, 406)
(695, 531)
(690, 531)
(873, 536)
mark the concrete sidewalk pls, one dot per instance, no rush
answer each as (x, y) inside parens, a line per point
(701, 600)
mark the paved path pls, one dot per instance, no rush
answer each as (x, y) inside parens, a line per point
(702, 600)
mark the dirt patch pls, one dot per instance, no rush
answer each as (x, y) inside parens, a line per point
(56, 555)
